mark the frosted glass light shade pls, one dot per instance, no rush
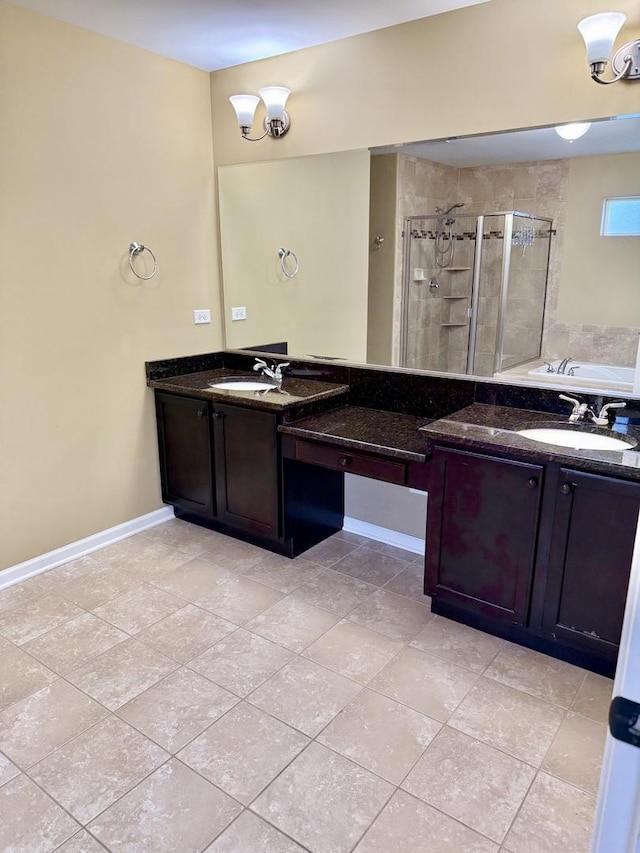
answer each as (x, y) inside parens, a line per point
(275, 97)
(245, 107)
(599, 33)
(573, 131)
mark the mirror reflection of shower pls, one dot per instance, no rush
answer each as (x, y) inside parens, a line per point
(444, 242)
(473, 290)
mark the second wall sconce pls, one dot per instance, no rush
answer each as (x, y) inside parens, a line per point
(599, 33)
(277, 121)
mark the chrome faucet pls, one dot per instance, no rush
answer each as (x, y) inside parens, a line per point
(583, 413)
(274, 372)
(562, 367)
(580, 410)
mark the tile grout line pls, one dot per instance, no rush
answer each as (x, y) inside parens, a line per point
(247, 809)
(458, 820)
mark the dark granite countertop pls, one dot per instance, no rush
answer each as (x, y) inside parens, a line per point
(369, 430)
(486, 428)
(297, 392)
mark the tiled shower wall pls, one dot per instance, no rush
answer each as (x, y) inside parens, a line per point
(535, 187)
(422, 186)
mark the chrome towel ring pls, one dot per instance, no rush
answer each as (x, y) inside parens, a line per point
(137, 249)
(283, 254)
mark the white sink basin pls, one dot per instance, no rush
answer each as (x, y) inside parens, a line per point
(242, 385)
(576, 439)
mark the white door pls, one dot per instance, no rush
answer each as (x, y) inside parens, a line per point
(617, 822)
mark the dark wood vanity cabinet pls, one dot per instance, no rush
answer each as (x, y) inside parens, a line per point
(538, 554)
(219, 463)
(246, 469)
(186, 456)
(222, 466)
(482, 527)
(591, 547)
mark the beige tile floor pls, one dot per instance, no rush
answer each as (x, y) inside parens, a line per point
(182, 691)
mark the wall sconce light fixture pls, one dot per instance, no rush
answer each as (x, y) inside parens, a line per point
(599, 33)
(573, 131)
(277, 121)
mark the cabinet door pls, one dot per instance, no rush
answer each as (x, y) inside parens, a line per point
(592, 542)
(246, 461)
(184, 440)
(482, 524)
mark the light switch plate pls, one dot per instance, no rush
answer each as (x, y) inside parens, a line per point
(239, 313)
(202, 315)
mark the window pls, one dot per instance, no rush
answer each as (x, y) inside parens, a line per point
(621, 217)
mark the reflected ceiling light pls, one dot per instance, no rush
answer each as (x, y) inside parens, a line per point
(599, 33)
(573, 131)
(277, 121)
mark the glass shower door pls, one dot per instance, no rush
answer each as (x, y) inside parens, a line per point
(524, 290)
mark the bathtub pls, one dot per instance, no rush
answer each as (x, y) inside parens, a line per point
(587, 373)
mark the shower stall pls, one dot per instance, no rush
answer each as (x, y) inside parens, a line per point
(473, 290)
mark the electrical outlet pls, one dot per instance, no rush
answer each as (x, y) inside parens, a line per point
(239, 313)
(202, 315)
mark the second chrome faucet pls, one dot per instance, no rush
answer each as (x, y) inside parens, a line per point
(583, 413)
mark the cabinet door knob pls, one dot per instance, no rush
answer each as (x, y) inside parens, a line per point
(566, 488)
(216, 415)
(532, 482)
(345, 461)
(202, 413)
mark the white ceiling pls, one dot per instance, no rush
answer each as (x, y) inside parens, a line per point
(610, 136)
(213, 34)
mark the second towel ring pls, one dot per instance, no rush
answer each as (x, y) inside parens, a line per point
(283, 254)
(138, 249)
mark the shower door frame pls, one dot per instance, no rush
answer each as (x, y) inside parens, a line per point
(404, 295)
(507, 237)
(475, 295)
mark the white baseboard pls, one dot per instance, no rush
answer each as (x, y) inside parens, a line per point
(384, 534)
(37, 565)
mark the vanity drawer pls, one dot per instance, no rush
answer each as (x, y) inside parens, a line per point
(354, 463)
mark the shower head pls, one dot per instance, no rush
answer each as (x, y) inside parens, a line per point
(444, 212)
(446, 219)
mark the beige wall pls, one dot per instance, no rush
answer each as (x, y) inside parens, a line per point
(594, 267)
(101, 144)
(496, 66)
(386, 505)
(318, 208)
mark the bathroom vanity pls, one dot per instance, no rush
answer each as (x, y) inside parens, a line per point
(220, 461)
(532, 542)
(528, 541)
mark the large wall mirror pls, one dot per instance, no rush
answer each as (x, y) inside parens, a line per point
(480, 255)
